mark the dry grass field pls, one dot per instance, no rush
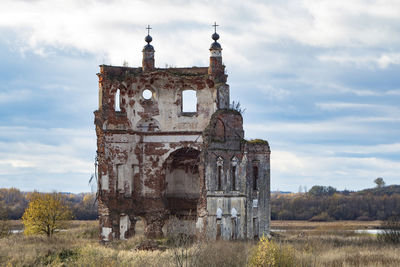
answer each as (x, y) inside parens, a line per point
(301, 244)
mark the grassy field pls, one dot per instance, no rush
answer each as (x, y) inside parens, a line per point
(309, 244)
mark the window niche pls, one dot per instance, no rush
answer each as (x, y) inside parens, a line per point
(234, 219)
(117, 100)
(219, 223)
(220, 169)
(255, 177)
(234, 172)
(189, 102)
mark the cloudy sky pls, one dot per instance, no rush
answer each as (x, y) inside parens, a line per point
(320, 80)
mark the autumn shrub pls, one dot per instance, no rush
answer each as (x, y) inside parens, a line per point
(45, 214)
(271, 254)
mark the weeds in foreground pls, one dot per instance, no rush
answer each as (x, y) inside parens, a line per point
(79, 246)
(391, 231)
(270, 253)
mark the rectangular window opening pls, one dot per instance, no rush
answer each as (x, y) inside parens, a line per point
(233, 178)
(189, 101)
(255, 177)
(219, 185)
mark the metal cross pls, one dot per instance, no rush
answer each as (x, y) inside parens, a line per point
(148, 29)
(215, 27)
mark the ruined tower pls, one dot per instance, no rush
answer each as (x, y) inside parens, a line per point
(161, 158)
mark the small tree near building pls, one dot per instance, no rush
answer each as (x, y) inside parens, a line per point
(45, 214)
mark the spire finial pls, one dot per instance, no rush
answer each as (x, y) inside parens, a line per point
(148, 28)
(215, 35)
(215, 27)
(148, 38)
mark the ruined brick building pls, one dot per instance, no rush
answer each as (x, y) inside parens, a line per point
(159, 160)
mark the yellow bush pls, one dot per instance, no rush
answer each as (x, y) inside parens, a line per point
(45, 214)
(269, 253)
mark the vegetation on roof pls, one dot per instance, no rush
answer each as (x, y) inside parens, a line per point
(257, 141)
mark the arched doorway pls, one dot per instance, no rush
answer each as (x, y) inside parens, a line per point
(182, 188)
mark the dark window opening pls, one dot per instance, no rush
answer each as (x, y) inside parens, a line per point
(233, 178)
(255, 177)
(219, 186)
(255, 228)
(233, 229)
(219, 226)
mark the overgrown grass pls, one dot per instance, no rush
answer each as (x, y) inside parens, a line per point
(79, 246)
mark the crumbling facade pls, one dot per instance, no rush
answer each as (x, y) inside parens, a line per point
(159, 159)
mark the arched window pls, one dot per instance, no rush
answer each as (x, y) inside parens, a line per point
(189, 101)
(220, 165)
(117, 100)
(219, 213)
(234, 163)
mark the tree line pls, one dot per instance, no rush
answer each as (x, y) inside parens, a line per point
(320, 203)
(13, 203)
(323, 203)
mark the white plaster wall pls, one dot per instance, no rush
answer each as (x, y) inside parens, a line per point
(124, 225)
(104, 182)
(123, 161)
(105, 233)
(226, 204)
(169, 117)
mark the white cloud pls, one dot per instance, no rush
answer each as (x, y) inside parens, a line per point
(362, 33)
(273, 93)
(115, 29)
(303, 167)
(314, 128)
(387, 59)
(35, 150)
(14, 96)
(380, 60)
(331, 106)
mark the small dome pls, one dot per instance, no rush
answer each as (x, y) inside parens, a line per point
(215, 36)
(148, 39)
(215, 46)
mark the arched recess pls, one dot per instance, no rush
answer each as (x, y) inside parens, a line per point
(219, 131)
(148, 125)
(118, 90)
(182, 182)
